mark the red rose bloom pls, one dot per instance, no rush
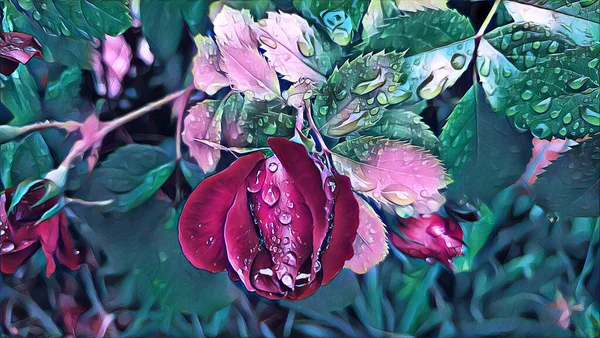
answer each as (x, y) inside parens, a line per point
(17, 48)
(21, 237)
(430, 237)
(284, 225)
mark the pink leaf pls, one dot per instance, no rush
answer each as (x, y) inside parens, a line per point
(207, 77)
(544, 152)
(370, 245)
(203, 123)
(290, 45)
(246, 68)
(400, 177)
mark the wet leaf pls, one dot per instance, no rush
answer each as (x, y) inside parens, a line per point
(579, 20)
(415, 32)
(475, 238)
(203, 123)
(80, 19)
(245, 67)
(542, 80)
(403, 124)
(571, 184)
(62, 94)
(482, 152)
(206, 71)
(340, 19)
(353, 95)
(370, 244)
(249, 123)
(294, 49)
(401, 178)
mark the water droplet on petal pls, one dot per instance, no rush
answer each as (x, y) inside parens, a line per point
(285, 218)
(317, 266)
(271, 195)
(273, 167)
(288, 281)
(7, 246)
(268, 42)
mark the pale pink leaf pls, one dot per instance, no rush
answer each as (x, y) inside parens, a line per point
(205, 70)
(245, 67)
(290, 46)
(296, 95)
(400, 177)
(144, 53)
(544, 152)
(116, 55)
(203, 123)
(370, 244)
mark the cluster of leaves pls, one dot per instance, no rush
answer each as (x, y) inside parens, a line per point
(367, 75)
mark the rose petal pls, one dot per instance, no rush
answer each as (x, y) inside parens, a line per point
(305, 175)
(241, 238)
(11, 262)
(263, 279)
(202, 221)
(345, 224)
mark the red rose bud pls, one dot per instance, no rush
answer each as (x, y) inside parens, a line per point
(429, 237)
(283, 225)
(21, 237)
(17, 48)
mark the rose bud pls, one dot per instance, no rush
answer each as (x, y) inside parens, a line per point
(283, 225)
(17, 48)
(21, 237)
(429, 237)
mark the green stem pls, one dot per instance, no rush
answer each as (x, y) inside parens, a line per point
(488, 19)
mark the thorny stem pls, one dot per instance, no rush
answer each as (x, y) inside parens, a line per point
(311, 123)
(68, 126)
(488, 19)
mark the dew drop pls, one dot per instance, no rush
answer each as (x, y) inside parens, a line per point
(590, 116)
(268, 42)
(285, 218)
(271, 195)
(273, 167)
(7, 246)
(542, 106)
(458, 61)
(527, 94)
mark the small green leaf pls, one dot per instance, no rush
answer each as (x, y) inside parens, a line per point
(542, 80)
(340, 19)
(192, 172)
(417, 32)
(129, 176)
(19, 93)
(403, 124)
(571, 184)
(476, 236)
(248, 123)
(482, 152)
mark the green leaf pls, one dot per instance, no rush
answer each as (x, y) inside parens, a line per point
(79, 19)
(144, 242)
(162, 23)
(61, 49)
(256, 7)
(417, 32)
(403, 124)
(482, 152)
(19, 93)
(192, 172)
(476, 236)
(579, 19)
(353, 95)
(335, 296)
(571, 184)
(129, 176)
(62, 94)
(542, 80)
(340, 18)
(248, 123)
(27, 158)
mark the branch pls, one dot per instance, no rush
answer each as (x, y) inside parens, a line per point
(488, 19)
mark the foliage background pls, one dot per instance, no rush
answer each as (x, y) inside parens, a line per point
(521, 261)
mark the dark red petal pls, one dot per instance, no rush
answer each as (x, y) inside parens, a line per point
(202, 221)
(265, 284)
(7, 67)
(345, 224)
(241, 239)
(66, 253)
(304, 174)
(9, 263)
